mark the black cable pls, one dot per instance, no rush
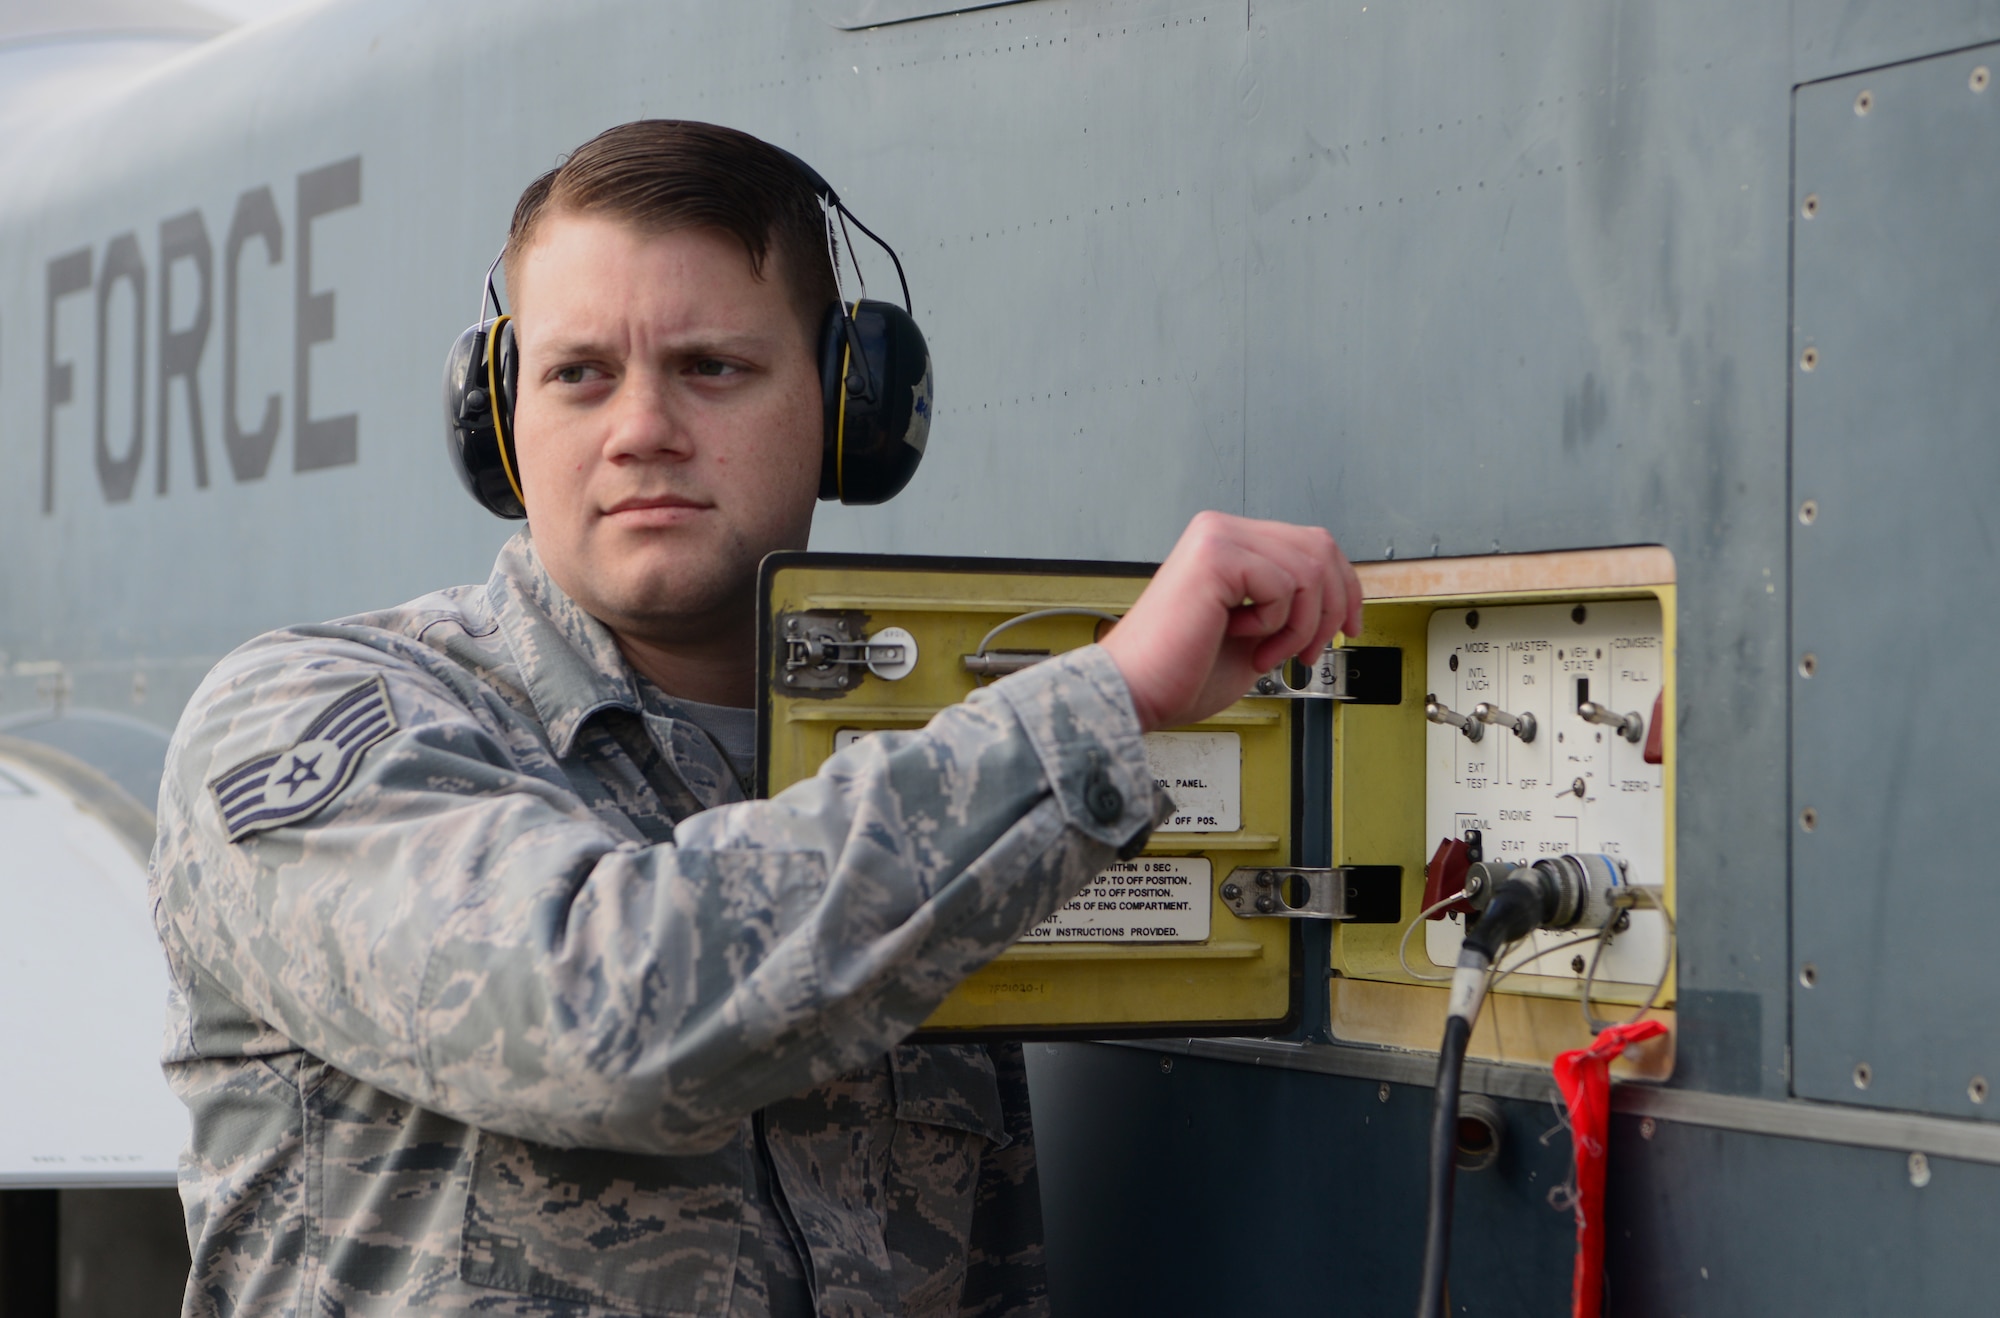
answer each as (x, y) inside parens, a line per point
(1444, 1167)
(1519, 904)
(1519, 907)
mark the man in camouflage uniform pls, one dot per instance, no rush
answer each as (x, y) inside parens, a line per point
(492, 993)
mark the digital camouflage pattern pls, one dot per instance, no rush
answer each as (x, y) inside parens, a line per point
(535, 1015)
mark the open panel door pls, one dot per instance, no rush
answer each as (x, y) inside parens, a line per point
(855, 644)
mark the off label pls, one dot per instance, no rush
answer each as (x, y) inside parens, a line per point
(1154, 899)
(1203, 772)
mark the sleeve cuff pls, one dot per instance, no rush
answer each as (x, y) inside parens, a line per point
(1077, 712)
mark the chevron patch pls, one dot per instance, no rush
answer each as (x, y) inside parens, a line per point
(273, 790)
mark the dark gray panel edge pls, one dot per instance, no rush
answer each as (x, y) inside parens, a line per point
(1821, 1123)
(859, 15)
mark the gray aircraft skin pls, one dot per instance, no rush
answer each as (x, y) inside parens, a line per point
(1447, 279)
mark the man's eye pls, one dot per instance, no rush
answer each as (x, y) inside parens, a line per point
(710, 366)
(571, 375)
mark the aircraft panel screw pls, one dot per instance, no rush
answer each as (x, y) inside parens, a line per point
(1808, 819)
(1810, 206)
(1808, 512)
(1809, 360)
(1864, 1075)
(1976, 1091)
(1980, 77)
(1864, 102)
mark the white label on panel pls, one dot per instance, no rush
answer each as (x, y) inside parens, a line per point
(845, 737)
(1203, 772)
(1578, 786)
(1152, 899)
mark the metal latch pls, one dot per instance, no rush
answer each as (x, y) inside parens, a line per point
(1351, 674)
(999, 663)
(1358, 894)
(823, 650)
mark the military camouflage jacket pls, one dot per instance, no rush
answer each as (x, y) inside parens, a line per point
(492, 994)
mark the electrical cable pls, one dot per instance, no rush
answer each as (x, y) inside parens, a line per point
(1036, 616)
(1518, 907)
(1590, 1018)
(1499, 973)
(1443, 1167)
(1403, 947)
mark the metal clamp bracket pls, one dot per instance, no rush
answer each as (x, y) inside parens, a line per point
(829, 651)
(1350, 674)
(1358, 894)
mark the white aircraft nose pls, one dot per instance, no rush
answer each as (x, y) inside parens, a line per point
(83, 980)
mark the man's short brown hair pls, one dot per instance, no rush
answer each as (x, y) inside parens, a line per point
(661, 175)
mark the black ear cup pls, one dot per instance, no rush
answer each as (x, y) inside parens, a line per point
(479, 416)
(875, 385)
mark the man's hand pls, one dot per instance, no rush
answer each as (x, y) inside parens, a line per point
(1235, 598)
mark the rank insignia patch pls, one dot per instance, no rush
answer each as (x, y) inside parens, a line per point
(273, 790)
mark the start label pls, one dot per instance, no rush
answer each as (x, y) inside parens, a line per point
(1203, 772)
(1151, 899)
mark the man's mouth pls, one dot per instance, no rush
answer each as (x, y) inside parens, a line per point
(656, 509)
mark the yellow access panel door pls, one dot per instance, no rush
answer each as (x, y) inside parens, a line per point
(855, 644)
(1535, 634)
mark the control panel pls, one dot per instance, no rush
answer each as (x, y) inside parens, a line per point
(1557, 702)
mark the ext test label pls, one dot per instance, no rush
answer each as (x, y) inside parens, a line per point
(1153, 899)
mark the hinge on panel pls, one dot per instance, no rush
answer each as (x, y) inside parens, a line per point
(1350, 674)
(1358, 894)
(824, 650)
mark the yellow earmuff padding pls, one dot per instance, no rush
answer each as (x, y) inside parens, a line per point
(493, 401)
(840, 426)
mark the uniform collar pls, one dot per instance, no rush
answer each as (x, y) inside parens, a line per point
(570, 664)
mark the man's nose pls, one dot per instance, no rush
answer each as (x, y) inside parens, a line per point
(647, 420)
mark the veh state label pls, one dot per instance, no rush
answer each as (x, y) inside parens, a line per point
(1151, 899)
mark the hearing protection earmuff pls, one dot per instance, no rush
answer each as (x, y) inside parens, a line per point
(875, 387)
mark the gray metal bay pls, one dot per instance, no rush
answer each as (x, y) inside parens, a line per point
(1897, 310)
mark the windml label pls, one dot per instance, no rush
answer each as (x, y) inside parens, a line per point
(1153, 899)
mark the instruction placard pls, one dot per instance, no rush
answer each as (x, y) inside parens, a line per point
(1203, 772)
(1152, 899)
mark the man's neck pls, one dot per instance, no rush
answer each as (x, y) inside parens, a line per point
(721, 671)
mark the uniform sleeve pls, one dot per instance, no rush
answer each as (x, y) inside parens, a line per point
(470, 937)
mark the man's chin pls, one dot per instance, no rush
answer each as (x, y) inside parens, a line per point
(678, 612)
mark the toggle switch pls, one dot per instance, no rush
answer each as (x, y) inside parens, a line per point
(1522, 726)
(1630, 726)
(1438, 713)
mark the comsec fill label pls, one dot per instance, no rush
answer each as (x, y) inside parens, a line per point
(1153, 899)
